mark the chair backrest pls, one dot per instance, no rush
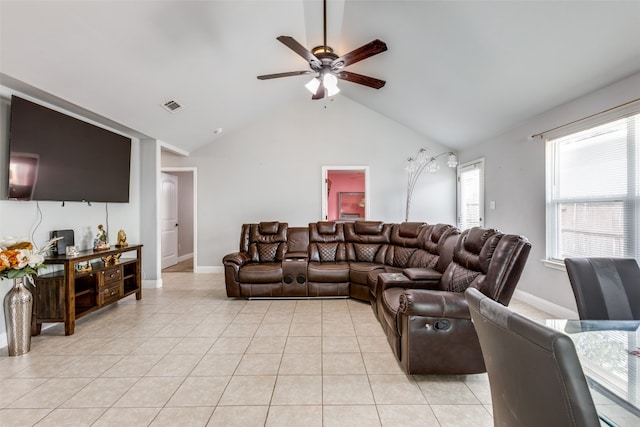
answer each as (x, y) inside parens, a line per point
(266, 241)
(441, 241)
(535, 376)
(326, 242)
(605, 288)
(367, 241)
(404, 243)
(488, 260)
(297, 242)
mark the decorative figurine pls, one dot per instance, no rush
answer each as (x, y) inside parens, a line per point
(101, 242)
(83, 266)
(122, 239)
(111, 259)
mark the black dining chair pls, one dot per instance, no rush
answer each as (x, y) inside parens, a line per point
(605, 288)
(534, 373)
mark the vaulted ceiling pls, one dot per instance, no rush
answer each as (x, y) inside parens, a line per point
(458, 72)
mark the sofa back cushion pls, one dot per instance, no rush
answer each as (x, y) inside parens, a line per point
(471, 257)
(367, 241)
(431, 247)
(326, 242)
(404, 244)
(406, 233)
(489, 261)
(297, 240)
(371, 228)
(506, 266)
(364, 252)
(267, 241)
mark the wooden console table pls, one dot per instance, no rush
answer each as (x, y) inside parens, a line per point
(68, 294)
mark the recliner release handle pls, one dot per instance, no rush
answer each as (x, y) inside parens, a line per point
(440, 325)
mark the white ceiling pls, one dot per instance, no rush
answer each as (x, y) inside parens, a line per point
(458, 72)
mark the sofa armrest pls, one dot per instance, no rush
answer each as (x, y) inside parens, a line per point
(408, 284)
(296, 255)
(433, 303)
(237, 259)
(422, 274)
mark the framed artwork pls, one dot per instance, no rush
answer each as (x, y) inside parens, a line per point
(351, 206)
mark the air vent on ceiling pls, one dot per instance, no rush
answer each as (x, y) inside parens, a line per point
(172, 106)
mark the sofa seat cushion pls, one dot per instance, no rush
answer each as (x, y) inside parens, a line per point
(358, 271)
(263, 272)
(328, 272)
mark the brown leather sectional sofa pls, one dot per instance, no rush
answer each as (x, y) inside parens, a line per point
(413, 274)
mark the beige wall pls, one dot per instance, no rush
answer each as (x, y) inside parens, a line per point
(515, 180)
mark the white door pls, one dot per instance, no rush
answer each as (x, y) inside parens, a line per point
(169, 220)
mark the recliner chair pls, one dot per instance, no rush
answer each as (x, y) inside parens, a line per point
(328, 268)
(256, 270)
(433, 327)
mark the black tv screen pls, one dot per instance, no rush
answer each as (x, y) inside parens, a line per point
(57, 157)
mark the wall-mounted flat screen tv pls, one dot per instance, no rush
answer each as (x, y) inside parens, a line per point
(53, 156)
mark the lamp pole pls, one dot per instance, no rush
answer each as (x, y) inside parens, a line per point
(416, 165)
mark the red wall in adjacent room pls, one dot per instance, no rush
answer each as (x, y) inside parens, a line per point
(342, 181)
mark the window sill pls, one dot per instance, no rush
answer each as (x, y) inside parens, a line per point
(553, 264)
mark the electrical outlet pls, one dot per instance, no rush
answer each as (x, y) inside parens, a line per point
(492, 204)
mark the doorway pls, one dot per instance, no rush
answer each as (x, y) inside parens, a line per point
(184, 223)
(345, 193)
(169, 220)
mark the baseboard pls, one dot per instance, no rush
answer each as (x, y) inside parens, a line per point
(185, 257)
(152, 284)
(544, 305)
(208, 269)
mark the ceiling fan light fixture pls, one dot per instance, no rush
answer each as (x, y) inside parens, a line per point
(331, 84)
(313, 85)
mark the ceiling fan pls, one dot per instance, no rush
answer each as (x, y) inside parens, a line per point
(328, 67)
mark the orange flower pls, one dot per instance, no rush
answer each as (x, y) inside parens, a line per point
(11, 258)
(17, 258)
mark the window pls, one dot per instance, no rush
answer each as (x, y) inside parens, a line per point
(593, 184)
(471, 194)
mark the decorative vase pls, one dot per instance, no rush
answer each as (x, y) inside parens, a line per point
(18, 304)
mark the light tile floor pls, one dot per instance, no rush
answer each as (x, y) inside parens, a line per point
(185, 355)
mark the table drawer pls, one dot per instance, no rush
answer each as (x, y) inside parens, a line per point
(111, 275)
(110, 293)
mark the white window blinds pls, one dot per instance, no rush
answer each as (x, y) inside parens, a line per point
(593, 181)
(471, 194)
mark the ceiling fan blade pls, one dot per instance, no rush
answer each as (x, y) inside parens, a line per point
(292, 44)
(363, 52)
(289, 74)
(360, 79)
(320, 92)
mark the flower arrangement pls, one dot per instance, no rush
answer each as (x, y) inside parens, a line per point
(18, 258)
